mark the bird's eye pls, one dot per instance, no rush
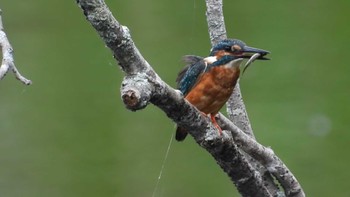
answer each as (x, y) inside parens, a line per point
(227, 48)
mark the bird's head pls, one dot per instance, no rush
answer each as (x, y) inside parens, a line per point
(236, 48)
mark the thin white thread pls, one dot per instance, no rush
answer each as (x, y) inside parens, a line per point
(162, 168)
(193, 28)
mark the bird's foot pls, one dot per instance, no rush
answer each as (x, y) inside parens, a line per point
(213, 120)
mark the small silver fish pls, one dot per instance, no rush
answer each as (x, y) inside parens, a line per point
(251, 60)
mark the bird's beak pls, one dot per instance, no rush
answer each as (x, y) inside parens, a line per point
(253, 54)
(249, 51)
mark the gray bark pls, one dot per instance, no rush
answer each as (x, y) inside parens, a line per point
(236, 151)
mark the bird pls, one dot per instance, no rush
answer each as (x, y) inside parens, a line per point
(207, 83)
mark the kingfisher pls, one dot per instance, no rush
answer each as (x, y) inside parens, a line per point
(207, 83)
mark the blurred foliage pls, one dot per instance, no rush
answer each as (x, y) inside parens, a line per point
(69, 134)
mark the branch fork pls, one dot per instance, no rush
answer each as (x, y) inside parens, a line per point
(251, 166)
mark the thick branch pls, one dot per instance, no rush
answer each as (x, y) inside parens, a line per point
(217, 31)
(116, 36)
(265, 156)
(238, 115)
(142, 85)
(170, 101)
(7, 63)
(235, 106)
(226, 153)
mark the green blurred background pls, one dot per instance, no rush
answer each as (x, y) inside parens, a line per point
(69, 134)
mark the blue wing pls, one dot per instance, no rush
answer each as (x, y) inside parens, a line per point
(189, 75)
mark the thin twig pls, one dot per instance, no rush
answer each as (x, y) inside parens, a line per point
(7, 57)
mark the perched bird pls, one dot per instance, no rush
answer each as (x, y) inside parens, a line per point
(207, 83)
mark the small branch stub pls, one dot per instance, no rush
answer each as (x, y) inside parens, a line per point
(136, 91)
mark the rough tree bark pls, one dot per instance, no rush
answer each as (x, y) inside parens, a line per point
(7, 63)
(237, 152)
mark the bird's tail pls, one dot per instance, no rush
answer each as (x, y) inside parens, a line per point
(181, 134)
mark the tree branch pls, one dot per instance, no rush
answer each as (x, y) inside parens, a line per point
(235, 106)
(265, 156)
(142, 86)
(243, 133)
(217, 31)
(237, 112)
(7, 57)
(215, 20)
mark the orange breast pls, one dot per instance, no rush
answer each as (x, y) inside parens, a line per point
(213, 89)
